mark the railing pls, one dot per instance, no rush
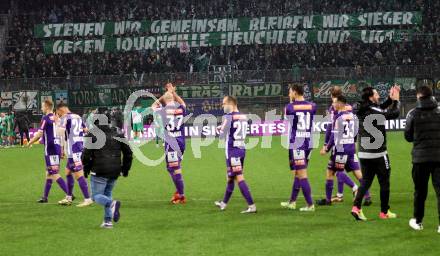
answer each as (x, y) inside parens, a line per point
(429, 72)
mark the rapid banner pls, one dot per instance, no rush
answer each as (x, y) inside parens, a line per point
(162, 41)
(237, 90)
(243, 24)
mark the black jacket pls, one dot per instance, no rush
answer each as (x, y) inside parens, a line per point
(22, 122)
(389, 110)
(423, 128)
(106, 162)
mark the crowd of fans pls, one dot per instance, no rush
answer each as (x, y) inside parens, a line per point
(24, 56)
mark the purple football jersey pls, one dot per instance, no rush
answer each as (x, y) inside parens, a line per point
(234, 129)
(331, 113)
(343, 137)
(48, 127)
(172, 117)
(74, 132)
(300, 115)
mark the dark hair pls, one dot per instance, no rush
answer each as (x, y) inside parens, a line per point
(48, 103)
(61, 105)
(341, 99)
(335, 91)
(299, 89)
(367, 92)
(231, 99)
(424, 91)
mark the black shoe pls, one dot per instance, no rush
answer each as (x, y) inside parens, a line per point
(323, 202)
(367, 202)
(73, 198)
(42, 201)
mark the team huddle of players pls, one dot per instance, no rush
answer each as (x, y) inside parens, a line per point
(64, 131)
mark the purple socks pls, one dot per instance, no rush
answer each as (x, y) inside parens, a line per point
(178, 182)
(62, 184)
(47, 188)
(307, 191)
(84, 188)
(228, 193)
(328, 190)
(245, 192)
(343, 178)
(70, 183)
(295, 190)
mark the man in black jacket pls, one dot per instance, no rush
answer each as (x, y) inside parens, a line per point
(423, 129)
(105, 166)
(372, 148)
(22, 122)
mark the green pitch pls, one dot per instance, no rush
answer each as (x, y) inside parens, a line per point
(151, 226)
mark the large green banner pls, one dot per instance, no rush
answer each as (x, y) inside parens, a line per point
(291, 22)
(183, 34)
(123, 44)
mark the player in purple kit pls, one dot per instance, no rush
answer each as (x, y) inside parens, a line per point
(172, 110)
(52, 148)
(342, 177)
(300, 114)
(342, 144)
(234, 129)
(72, 127)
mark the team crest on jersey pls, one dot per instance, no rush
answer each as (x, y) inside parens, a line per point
(303, 107)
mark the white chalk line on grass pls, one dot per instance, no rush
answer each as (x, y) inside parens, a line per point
(193, 199)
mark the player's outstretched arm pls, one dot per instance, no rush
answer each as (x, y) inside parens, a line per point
(36, 137)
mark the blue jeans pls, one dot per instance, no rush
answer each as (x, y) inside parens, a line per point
(102, 193)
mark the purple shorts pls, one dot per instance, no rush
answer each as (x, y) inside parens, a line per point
(234, 166)
(173, 158)
(299, 159)
(52, 164)
(339, 163)
(74, 166)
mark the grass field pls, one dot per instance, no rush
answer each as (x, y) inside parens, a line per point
(151, 226)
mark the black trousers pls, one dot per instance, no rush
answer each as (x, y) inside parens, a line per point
(22, 134)
(379, 167)
(420, 175)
